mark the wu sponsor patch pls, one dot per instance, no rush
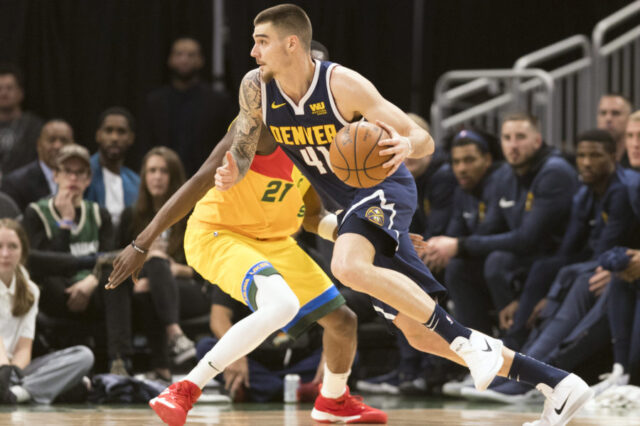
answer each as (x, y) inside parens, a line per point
(375, 215)
(318, 108)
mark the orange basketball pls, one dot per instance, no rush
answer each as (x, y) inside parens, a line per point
(354, 154)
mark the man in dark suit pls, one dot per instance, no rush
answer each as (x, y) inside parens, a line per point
(35, 180)
(187, 115)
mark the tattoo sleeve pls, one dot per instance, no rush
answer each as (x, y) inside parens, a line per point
(249, 122)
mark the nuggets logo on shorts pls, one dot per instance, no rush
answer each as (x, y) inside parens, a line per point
(375, 215)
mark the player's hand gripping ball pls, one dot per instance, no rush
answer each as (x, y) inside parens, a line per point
(355, 157)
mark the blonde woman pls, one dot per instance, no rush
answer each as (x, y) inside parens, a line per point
(23, 379)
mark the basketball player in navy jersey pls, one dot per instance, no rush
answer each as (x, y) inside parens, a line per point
(303, 102)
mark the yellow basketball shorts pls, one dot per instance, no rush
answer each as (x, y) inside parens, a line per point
(231, 260)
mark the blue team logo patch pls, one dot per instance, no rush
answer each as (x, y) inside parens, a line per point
(375, 215)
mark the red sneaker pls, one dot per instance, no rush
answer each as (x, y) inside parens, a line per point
(346, 409)
(175, 401)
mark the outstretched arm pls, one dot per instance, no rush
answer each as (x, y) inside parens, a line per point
(129, 261)
(246, 135)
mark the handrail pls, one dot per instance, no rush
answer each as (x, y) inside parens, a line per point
(610, 21)
(619, 42)
(554, 50)
(504, 99)
(466, 89)
(602, 49)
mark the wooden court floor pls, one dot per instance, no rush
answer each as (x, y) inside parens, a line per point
(280, 414)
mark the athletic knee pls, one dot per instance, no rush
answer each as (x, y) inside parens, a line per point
(350, 273)
(276, 297)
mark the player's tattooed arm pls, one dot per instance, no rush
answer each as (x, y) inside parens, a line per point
(249, 122)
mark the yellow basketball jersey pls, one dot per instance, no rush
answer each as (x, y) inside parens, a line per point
(266, 204)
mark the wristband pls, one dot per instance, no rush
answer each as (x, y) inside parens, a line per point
(327, 226)
(138, 249)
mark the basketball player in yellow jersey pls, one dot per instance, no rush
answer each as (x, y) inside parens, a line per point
(240, 240)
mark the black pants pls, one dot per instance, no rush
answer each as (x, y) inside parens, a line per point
(112, 306)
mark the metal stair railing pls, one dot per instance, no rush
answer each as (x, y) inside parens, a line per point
(617, 61)
(573, 95)
(510, 95)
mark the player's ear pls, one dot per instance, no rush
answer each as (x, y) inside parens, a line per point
(292, 42)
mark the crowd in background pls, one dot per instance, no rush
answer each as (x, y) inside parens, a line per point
(536, 246)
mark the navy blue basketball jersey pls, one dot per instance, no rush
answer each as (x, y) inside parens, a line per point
(305, 132)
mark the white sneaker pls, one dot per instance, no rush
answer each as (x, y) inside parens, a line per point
(483, 356)
(615, 378)
(454, 388)
(563, 401)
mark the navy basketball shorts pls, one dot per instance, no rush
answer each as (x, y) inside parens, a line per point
(382, 215)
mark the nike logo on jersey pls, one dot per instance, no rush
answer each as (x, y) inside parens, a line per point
(467, 215)
(488, 349)
(505, 204)
(592, 222)
(276, 106)
(559, 410)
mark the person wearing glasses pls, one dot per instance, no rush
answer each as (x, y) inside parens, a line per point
(65, 224)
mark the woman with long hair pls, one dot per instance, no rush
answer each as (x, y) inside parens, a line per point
(24, 379)
(166, 283)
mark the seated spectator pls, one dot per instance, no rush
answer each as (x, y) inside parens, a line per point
(113, 185)
(187, 115)
(573, 312)
(66, 224)
(166, 280)
(259, 376)
(600, 219)
(473, 158)
(23, 379)
(35, 180)
(624, 296)
(19, 129)
(613, 113)
(526, 221)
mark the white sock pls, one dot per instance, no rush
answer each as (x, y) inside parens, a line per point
(22, 395)
(277, 305)
(334, 384)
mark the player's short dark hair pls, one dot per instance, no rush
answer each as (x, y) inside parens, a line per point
(600, 136)
(116, 110)
(12, 69)
(290, 18)
(316, 45)
(523, 116)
